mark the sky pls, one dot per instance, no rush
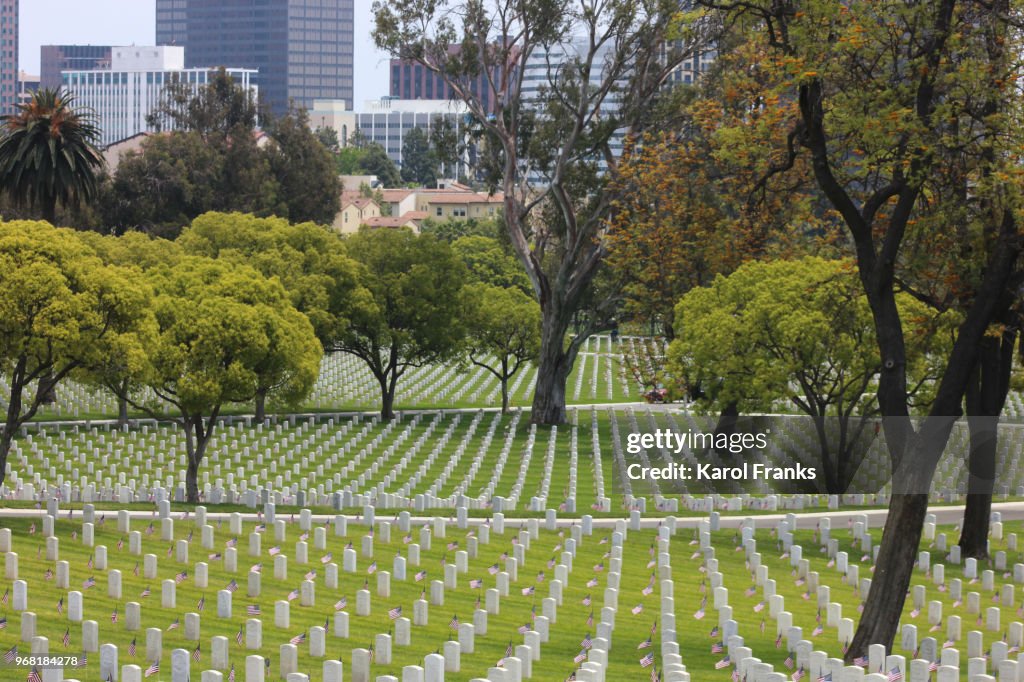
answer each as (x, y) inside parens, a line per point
(132, 22)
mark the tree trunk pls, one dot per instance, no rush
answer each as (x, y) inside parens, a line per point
(387, 383)
(122, 412)
(504, 395)
(13, 418)
(6, 438)
(196, 439)
(727, 420)
(47, 388)
(984, 399)
(553, 369)
(892, 575)
(261, 405)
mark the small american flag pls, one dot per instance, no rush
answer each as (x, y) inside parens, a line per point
(646, 644)
(372, 568)
(66, 639)
(298, 639)
(311, 575)
(326, 558)
(252, 610)
(639, 608)
(420, 575)
(724, 663)
(895, 675)
(153, 669)
(476, 583)
(131, 648)
(293, 595)
(231, 675)
(232, 586)
(181, 577)
(587, 642)
(135, 571)
(11, 654)
(3, 622)
(174, 625)
(90, 582)
(195, 654)
(586, 600)
(146, 592)
(527, 591)
(341, 604)
(34, 675)
(239, 637)
(717, 648)
(60, 606)
(493, 569)
(113, 615)
(579, 658)
(274, 551)
(453, 624)
(648, 660)
(202, 603)
(395, 613)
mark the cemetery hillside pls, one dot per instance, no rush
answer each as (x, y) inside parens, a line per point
(682, 344)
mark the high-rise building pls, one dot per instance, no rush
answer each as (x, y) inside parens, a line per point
(303, 49)
(123, 95)
(8, 55)
(56, 58)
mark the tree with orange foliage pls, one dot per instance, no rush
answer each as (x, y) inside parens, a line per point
(701, 200)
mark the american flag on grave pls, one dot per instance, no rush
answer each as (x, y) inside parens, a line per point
(420, 575)
(153, 669)
(453, 624)
(298, 639)
(252, 610)
(476, 583)
(395, 613)
(239, 637)
(293, 595)
(341, 604)
(647, 660)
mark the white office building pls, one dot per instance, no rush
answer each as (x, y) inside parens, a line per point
(123, 96)
(387, 120)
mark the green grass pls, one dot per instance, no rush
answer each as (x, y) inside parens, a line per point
(566, 633)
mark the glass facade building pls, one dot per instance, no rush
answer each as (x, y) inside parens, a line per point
(8, 55)
(302, 49)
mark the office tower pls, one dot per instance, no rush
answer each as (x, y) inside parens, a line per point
(8, 55)
(123, 95)
(56, 58)
(302, 49)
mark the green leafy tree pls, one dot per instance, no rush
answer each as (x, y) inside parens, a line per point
(304, 169)
(309, 260)
(502, 331)
(889, 111)
(217, 111)
(554, 226)
(375, 161)
(419, 163)
(48, 154)
(414, 320)
(445, 143)
(61, 309)
(224, 333)
(488, 263)
(328, 137)
(800, 332)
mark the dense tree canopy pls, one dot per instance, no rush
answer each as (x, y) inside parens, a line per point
(224, 334)
(414, 318)
(61, 309)
(799, 332)
(502, 331)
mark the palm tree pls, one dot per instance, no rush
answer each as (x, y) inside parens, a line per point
(48, 153)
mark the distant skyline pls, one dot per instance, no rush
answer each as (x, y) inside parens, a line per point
(127, 22)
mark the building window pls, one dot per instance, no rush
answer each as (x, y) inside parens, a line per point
(440, 211)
